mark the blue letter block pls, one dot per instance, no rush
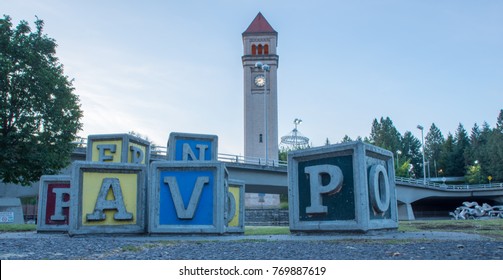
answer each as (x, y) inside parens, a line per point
(192, 147)
(187, 197)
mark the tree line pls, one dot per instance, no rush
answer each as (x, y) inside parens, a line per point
(478, 156)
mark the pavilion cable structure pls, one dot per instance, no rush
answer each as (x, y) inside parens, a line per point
(294, 140)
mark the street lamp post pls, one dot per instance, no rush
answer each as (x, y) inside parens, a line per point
(398, 153)
(420, 127)
(296, 122)
(265, 68)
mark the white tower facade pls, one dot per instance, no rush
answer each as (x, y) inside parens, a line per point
(260, 91)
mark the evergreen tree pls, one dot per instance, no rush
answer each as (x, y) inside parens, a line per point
(346, 139)
(494, 151)
(384, 134)
(446, 156)
(411, 151)
(461, 148)
(481, 151)
(475, 143)
(433, 143)
(499, 122)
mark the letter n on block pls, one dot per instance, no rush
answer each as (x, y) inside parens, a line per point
(108, 198)
(54, 203)
(192, 147)
(187, 197)
(344, 187)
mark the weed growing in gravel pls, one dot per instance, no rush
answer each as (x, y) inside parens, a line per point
(131, 248)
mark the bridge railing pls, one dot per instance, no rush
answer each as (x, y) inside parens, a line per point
(162, 151)
(250, 160)
(448, 187)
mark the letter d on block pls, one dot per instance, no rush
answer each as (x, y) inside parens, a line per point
(317, 188)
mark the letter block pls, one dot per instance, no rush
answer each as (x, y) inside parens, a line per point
(235, 207)
(192, 147)
(344, 187)
(107, 198)
(187, 197)
(54, 203)
(120, 148)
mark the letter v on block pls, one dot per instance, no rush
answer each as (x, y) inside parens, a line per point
(182, 212)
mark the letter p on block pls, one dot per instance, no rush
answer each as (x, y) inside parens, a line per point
(344, 187)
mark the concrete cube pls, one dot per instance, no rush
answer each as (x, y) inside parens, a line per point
(119, 148)
(235, 207)
(54, 203)
(107, 198)
(192, 147)
(344, 187)
(187, 197)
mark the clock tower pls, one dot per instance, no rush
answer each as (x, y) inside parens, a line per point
(260, 65)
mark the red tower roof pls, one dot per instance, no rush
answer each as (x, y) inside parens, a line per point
(260, 25)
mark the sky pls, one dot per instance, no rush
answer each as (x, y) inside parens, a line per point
(156, 67)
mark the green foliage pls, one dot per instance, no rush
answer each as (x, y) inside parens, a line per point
(266, 230)
(461, 147)
(447, 157)
(346, 139)
(39, 113)
(433, 143)
(492, 228)
(385, 135)
(411, 151)
(473, 174)
(403, 170)
(17, 227)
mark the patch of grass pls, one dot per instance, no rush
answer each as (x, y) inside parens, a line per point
(266, 230)
(17, 227)
(493, 227)
(131, 248)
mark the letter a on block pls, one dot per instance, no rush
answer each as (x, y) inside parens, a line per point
(187, 151)
(317, 188)
(103, 204)
(182, 212)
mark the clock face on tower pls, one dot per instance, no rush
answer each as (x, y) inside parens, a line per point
(260, 80)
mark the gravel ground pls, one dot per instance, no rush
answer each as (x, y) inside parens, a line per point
(396, 246)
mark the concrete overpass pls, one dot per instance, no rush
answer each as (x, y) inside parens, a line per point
(412, 195)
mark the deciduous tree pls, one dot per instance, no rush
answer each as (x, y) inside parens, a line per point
(39, 112)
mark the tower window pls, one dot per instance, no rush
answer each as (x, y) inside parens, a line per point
(254, 49)
(260, 138)
(260, 49)
(266, 49)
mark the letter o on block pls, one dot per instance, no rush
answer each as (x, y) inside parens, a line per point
(379, 188)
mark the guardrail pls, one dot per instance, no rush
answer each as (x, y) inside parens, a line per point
(250, 160)
(449, 187)
(163, 151)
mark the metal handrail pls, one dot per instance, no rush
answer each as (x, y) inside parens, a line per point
(249, 160)
(163, 151)
(449, 187)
